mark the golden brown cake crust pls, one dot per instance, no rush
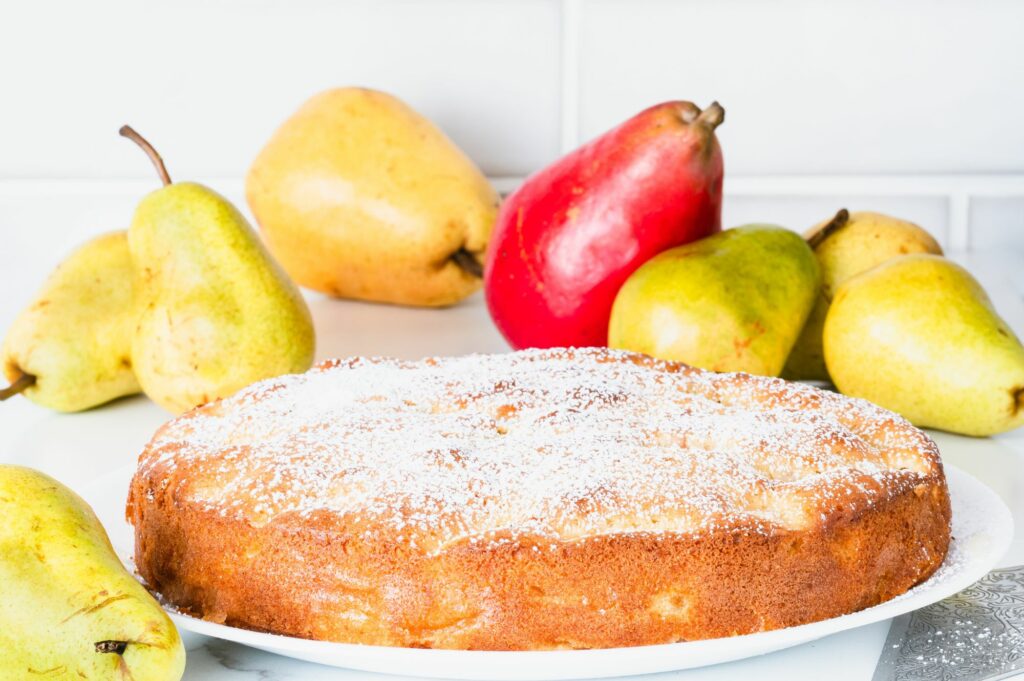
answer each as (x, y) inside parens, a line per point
(610, 500)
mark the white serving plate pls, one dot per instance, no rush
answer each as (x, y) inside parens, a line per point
(982, 531)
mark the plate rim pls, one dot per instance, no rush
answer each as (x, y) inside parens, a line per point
(1000, 531)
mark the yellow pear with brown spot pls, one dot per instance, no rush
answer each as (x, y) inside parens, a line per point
(68, 607)
(70, 349)
(359, 196)
(918, 335)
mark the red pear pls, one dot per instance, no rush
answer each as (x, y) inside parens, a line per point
(568, 238)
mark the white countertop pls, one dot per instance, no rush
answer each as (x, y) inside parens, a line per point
(78, 448)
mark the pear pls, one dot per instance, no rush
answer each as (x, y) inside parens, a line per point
(918, 335)
(68, 608)
(734, 301)
(71, 349)
(846, 245)
(361, 197)
(214, 312)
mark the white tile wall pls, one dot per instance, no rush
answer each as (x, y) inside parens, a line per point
(845, 86)
(914, 107)
(947, 205)
(997, 223)
(209, 80)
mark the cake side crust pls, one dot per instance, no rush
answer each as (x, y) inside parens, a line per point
(315, 578)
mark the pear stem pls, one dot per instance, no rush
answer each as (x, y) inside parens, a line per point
(468, 263)
(20, 384)
(713, 116)
(836, 223)
(158, 163)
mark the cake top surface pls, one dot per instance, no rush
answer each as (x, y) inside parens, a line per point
(565, 443)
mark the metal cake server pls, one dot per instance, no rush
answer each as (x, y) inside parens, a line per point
(976, 635)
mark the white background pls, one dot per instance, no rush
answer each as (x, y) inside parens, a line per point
(843, 87)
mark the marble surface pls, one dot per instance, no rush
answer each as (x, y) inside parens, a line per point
(78, 448)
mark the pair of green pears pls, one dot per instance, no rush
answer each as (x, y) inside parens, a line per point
(864, 300)
(187, 306)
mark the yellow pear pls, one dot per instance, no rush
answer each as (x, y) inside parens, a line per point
(361, 197)
(68, 608)
(846, 245)
(71, 348)
(214, 312)
(918, 335)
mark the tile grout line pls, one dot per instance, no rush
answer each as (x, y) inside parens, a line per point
(571, 11)
(958, 190)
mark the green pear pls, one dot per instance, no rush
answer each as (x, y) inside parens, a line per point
(214, 312)
(918, 335)
(71, 349)
(846, 245)
(734, 301)
(68, 608)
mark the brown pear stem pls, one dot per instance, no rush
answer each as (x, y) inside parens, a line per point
(158, 163)
(468, 263)
(713, 116)
(20, 384)
(836, 223)
(116, 647)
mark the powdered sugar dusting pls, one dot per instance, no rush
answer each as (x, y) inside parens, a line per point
(566, 443)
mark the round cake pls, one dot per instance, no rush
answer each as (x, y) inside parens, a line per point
(534, 500)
